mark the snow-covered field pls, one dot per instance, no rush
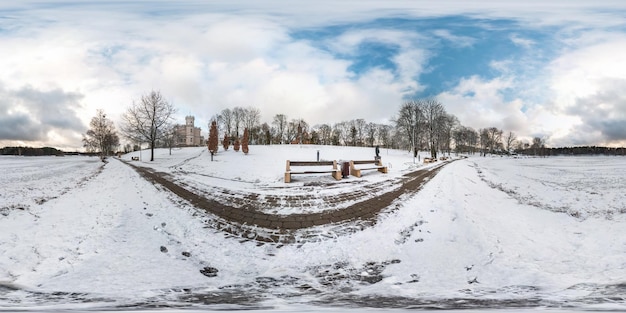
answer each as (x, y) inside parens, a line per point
(262, 171)
(485, 232)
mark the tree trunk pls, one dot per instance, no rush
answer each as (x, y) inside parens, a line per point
(152, 150)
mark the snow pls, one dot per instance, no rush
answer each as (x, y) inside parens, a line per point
(484, 232)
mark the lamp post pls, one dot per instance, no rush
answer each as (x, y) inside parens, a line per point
(102, 136)
(413, 144)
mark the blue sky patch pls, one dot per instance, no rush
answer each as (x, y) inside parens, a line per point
(371, 55)
(458, 47)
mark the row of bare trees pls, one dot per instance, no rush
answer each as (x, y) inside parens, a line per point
(147, 120)
(421, 124)
(493, 140)
(424, 124)
(356, 132)
(232, 122)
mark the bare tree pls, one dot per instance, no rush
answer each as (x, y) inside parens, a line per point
(251, 121)
(433, 113)
(447, 123)
(490, 140)
(101, 136)
(280, 125)
(314, 138)
(145, 120)
(370, 134)
(252, 118)
(266, 134)
(359, 126)
(405, 124)
(538, 145)
(465, 139)
(351, 133)
(227, 121)
(295, 130)
(238, 119)
(509, 140)
(343, 132)
(324, 133)
(495, 139)
(384, 135)
(410, 122)
(292, 131)
(170, 136)
(337, 134)
(484, 140)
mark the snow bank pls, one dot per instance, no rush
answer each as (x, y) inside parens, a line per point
(470, 233)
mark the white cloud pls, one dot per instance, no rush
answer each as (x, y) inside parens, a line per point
(39, 117)
(581, 72)
(584, 103)
(409, 60)
(349, 41)
(304, 94)
(208, 56)
(460, 41)
(588, 85)
(522, 42)
(480, 103)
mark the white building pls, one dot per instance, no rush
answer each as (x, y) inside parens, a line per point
(188, 135)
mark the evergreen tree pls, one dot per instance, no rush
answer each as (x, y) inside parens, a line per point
(244, 142)
(225, 142)
(212, 144)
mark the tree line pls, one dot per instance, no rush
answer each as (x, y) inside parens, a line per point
(30, 151)
(147, 120)
(419, 125)
(585, 150)
(283, 130)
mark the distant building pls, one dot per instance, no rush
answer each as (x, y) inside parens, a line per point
(188, 135)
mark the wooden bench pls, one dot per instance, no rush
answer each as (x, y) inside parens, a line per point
(334, 171)
(375, 165)
(135, 158)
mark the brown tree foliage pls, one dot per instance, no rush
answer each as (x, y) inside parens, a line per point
(236, 145)
(244, 141)
(225, 142)
(213, 138)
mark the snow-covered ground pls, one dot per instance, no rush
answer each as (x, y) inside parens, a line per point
(262, 172)
(484, 232)
(264, 166)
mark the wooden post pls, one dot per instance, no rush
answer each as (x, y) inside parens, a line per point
(287, 173)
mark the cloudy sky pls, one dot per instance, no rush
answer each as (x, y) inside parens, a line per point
(553, 69)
